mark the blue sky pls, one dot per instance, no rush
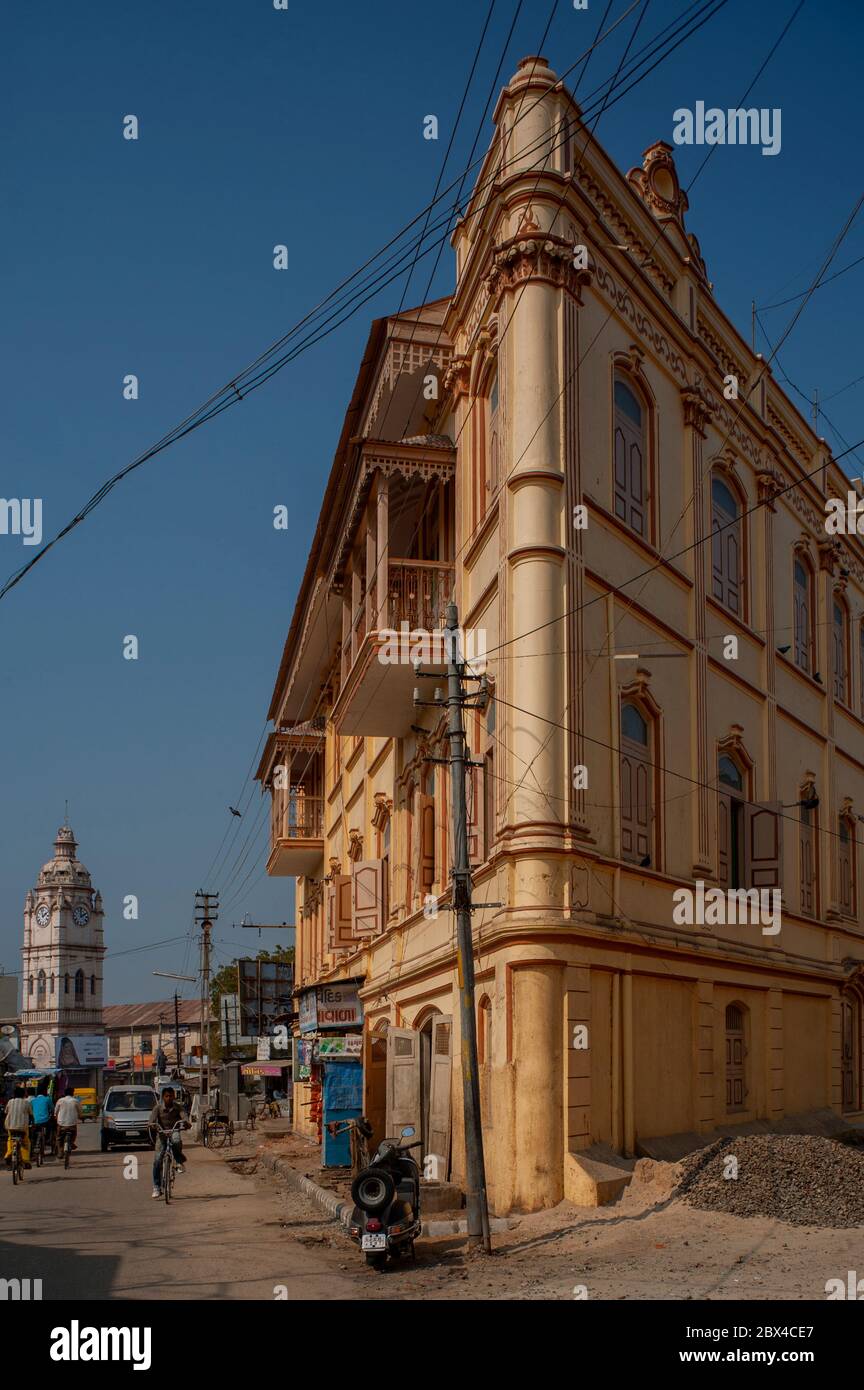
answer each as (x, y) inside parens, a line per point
(154, 257)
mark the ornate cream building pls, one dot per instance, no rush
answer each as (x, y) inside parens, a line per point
(676, 663)
(61, 979)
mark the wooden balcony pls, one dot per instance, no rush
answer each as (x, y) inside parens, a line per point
(296, 833)
(377, 674)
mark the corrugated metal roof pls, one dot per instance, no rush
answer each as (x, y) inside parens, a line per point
(116, 1016)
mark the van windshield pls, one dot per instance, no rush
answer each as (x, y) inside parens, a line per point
(130, 1100)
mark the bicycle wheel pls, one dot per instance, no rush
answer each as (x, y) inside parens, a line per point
(16, 1157)
(167, 1177)
(40, 1151)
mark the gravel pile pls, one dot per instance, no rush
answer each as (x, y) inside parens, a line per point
(800, 1178)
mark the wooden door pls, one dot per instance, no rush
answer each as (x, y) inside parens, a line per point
(403, 1081)
(375, 1077)
(848, 1015)
(736, 1054)
(438, 1129)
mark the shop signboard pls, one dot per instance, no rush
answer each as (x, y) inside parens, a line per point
(339, 1049)
(339, 1006)
(81, 1050)
(308, 1011)
(261, 1069)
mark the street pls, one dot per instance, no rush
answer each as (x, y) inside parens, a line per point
(91, 1233)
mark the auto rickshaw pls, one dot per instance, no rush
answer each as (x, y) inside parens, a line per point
(86, 1095)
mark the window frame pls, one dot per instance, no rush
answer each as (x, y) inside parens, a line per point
(802, 559)
(623, 375)
(732, 486)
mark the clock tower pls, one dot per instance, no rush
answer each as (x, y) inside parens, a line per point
(61, 1000)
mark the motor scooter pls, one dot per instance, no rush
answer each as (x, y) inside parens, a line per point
(385, 1221)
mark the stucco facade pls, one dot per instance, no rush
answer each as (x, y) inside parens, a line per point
(582, 449)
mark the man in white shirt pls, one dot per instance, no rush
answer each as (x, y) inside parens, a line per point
(67, 1113)
(17, 1120)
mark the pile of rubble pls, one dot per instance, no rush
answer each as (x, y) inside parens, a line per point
(800, 1178)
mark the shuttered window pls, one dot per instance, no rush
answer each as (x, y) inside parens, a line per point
(840, 632)
(725, 546)
(808, 853)
(636, 800)
(629, 459)
(846, 866)
(803, 603)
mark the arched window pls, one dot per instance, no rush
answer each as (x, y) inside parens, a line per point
(846, 865)
(40, 988)
(79, 986)
(840, 649)
(92, 984)
(730, 821)
(30, 986)
(65, 984)
(630, 467)
(51, 987)
(637, 811)
(487, 434)
(726, 546)
(736, 1057)
(803, 615)
(808, 857)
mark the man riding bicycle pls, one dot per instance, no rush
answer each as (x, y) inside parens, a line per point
(18, 1116)
(42, 1108)
(66, 1116)
(164, 1117)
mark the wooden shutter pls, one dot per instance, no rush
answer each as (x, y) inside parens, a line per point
(474, 799)
(375, 1085)
(403, 1080)
(762, 846)
(426, 841)
(340, 929)
(438, 1137)
(367, 897)
(724, 839)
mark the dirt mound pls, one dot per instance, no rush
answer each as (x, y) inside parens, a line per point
(800, 1178)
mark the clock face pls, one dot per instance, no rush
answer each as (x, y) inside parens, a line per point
(43, 915)
(80, 916)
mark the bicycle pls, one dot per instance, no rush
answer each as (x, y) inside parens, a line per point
(38, 1146)
(17, 1158)
(217, 1131)
(65, 1142)
(169, 1162)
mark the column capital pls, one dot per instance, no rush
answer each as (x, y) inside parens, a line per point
(698, 408)
(536, 257)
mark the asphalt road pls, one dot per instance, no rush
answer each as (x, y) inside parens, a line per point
(95, 1233)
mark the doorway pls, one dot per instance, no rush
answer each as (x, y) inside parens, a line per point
(736, 1059)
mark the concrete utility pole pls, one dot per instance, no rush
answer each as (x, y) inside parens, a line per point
(475, 1169)
(206, 913)
(177, 1062)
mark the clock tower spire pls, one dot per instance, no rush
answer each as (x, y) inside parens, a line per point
(61, 1003)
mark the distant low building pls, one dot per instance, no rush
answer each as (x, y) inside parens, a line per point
(133, 1033)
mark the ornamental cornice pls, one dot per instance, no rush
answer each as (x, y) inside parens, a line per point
(543, 258)
(724, 357)
(625, 231)
(625, 304)
(768, 485)
(698, 408)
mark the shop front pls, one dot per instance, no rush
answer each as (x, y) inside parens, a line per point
(267, 1082)
(328, 1066)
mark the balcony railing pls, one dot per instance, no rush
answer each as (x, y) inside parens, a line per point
(418, 592)
(297, 816)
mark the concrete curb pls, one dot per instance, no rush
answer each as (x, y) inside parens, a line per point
(342, 1210)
